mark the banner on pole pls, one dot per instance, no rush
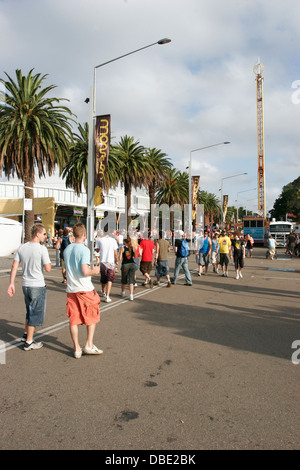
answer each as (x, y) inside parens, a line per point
(102, 143)
(225, 204)
(195, 188)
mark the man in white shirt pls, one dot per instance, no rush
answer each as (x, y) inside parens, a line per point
(82, 299)
(108, 249)
(34, 257)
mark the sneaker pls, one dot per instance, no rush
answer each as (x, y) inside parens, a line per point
(24, 337)
(101, 293)
(135, 285)
(33, 345)
(237, 276)
(78, 354)
(188, 284)
(226, 273)
(131, 297)
(107, 300)
(122, 293)
(169, 284)
(241, 276)
(151, 283)
(92, 350)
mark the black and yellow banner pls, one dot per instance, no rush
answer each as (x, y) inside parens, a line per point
(102, 143)
(195, 188)
(225, 205)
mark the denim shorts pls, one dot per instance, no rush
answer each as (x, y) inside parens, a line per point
(35, 302)
(162, 269)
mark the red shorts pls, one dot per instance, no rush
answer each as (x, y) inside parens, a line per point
(83, 308)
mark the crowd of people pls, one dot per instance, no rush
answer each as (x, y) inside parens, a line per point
(116, 251)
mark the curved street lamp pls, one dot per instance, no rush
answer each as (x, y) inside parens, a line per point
(91, 154)
(190, 182)
(222, 179)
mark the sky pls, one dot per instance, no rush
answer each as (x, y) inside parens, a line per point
(196, 91)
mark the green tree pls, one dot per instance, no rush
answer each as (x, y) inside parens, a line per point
(159, 167)
(211, 204)
(174, 191)
(35, 132)
(288, 201)
(135, 168)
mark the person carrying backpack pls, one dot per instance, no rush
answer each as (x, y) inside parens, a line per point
(182, 252)
(61, 245)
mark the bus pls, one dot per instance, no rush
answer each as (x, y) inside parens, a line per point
(256, 227)
(280, 231)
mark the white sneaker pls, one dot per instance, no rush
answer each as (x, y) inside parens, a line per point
(131, 297)
(122, 293)
(92, 350)
(241, 276)
(237, 276)
(101, 293)
(107, 300)
(78, 354)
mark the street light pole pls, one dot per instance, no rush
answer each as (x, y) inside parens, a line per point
(237, 203)
(222, 179)
(91, 150)
(190, 182)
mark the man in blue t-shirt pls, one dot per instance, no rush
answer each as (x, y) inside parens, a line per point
(204, 253)
(82, 299)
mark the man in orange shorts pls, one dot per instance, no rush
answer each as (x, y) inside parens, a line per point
(82, 299)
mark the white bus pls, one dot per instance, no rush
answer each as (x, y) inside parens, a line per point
(280, 230)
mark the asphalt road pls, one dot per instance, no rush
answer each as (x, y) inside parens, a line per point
(202, 367)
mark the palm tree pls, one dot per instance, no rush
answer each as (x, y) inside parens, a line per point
(159, 166)
(174, 191)
(35, 133)
(211, 205)
(76, 169)
(135, 168)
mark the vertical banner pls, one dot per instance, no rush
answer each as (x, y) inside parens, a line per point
(102, 143)
(195, 188)
(225, 204)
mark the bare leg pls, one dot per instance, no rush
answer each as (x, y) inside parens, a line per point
(74, 336)
(90, 335)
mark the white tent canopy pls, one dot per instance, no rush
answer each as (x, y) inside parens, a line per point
(10, 236)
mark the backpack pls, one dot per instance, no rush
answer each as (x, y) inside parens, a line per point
(184, 249)
(65, 241)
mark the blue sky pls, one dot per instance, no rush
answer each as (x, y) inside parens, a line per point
(194, 92)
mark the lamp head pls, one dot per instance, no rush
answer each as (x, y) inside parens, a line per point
(164, 41)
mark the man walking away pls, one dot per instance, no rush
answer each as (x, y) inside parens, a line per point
(34, 257)
(161, 259)
(182, 252)
(108, 248)
(82, 299)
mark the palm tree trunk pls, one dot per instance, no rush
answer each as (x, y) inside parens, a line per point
(128, 199)
(29, 214)
(152, 202)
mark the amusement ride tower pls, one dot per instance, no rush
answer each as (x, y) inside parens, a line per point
(259, 70)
